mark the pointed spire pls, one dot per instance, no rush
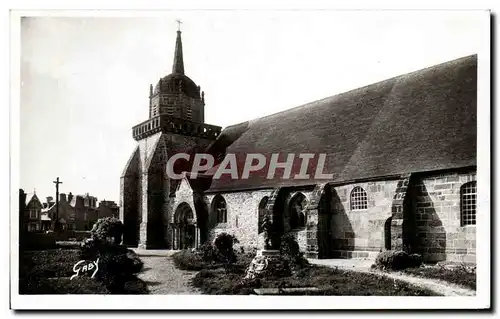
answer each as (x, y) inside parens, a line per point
(178, 66)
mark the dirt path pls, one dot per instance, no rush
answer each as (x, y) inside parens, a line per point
(162, 277)
(438, 286)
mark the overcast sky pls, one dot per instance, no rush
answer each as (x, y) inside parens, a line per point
(85, 80)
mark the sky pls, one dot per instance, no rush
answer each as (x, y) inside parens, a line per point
(85, 80)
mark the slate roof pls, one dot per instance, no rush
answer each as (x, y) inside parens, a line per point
(421, 121)
(30, 197)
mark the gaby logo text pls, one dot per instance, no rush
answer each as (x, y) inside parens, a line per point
(84, 266)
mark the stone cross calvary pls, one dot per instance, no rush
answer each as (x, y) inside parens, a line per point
(57, 182)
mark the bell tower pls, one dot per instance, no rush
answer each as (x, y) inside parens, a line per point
(176, 124)
(176, 94)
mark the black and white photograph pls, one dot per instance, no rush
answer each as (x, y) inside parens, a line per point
(231, 159)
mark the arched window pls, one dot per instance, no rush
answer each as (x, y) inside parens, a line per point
(359, 200)
(220, 208)
(468, 194)
(297, 211)
(262, 212)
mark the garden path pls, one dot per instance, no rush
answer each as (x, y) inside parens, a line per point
(162, 277)
(363, 265)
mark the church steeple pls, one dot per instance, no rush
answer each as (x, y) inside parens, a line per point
(178, 66)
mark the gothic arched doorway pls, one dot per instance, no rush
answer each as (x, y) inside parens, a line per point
(296, 211)
(184, 228)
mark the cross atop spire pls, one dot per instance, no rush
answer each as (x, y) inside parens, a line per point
(179, 22)
(178, 66)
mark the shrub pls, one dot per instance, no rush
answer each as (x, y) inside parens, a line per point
(290, 251)
(207, 252)
(89, 249)
(187, 260)
(416, 260)
(117, 265)
(224, 251)
(245, 259)
(397, 260)
(108, 229)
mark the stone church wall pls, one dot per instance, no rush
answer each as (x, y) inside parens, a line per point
(242, 216)
(436, 205)
(361, 230)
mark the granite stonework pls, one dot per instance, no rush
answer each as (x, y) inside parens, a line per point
(439, 235)
(242, 217)
(416, 213)
(361, 230)
(145, 193)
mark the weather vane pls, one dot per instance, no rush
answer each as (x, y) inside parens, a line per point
(179, 22)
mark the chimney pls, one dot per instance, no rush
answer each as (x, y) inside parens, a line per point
(70, 197)
(50, 200)
(62, 197)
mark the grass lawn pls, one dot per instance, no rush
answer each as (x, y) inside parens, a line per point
(460, 275)
(214, 279)
(48, 272)
(329, 281)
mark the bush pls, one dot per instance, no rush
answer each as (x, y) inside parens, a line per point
(397, 260)
(416, 260)
(187, 260)
(207, 252)
(290, 251)
(224, 251)
(108, 229)
(117, 266)
(89, 249)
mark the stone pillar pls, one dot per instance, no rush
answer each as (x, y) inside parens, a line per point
(196, 237)
(397, 234)
(269, 212)
(176, 237)
(312, 222)
(172, 231)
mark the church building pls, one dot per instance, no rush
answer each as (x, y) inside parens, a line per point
(401, 154)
